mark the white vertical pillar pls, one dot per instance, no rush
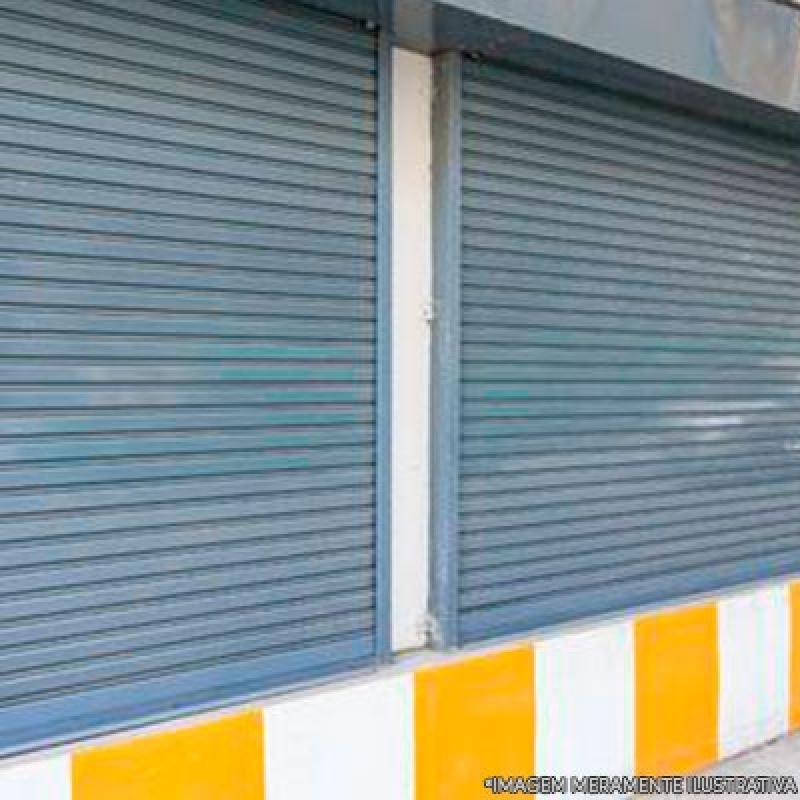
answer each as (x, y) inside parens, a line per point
(412, 257)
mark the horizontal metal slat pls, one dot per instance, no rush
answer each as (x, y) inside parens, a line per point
(163, 591)
(635, 526)
(224, 64)
(571, 456)
(259, 45)
(186, 194)
(204, 487)
(613, 237)
(177, 300)
(509, 308)
(483, 488)
(534, 408)
(180, 171)
(192, 655)
(590, 110)
(515, 217)
(482, 118)
(570, 551)
(667, 489)
(523, 218)
(751, 343)
(676, 427)
(121, 322)
(554, 158)
(88, 95)
(108, 238)
(95, 421)
(198, 86)
(287, 532)
(641, 570)
(557, 453)
(27, 128)
(608, 295)
(601, 599)
(604, 597)
(266, 271)
(194, 232)
(65, 652)
(686, 391)
(327, 535)
(346, 592)
(661, 266)
(581, 502)
(519, 372)
(525, 146)
(669, 321)
(116, 568)
(557, 559)
(183, 395)
(60, 195)
(193, 511)
(203, 27)
(606, 532)
(237, 374)
(597, 517)
(589, 193)
(272, 467)
(757, 290)
(482, 355)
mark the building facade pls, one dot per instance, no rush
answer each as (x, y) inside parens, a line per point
(395, 395)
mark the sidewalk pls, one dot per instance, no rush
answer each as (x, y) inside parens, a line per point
(779, 758)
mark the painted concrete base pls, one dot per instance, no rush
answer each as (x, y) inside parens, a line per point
(661, 694)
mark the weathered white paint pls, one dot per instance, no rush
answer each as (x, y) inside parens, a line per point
(411, 301)
(48, 779)
(585, 703)
(353, 743)
(754, 631)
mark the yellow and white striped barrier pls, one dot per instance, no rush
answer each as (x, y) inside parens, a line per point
(661, 694)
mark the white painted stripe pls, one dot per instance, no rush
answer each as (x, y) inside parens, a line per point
(412, 256)
(355, 743)
(754, 669)
(48, 779)
(585, 703)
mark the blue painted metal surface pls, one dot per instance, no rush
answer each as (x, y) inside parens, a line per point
(446, 346)
(383, 334)
(188, 287)
(630, 354)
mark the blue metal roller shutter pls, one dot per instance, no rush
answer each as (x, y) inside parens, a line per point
(630, 303)
(187, 357)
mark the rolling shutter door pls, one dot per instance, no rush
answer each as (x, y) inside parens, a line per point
(630, 354)
(187, 357)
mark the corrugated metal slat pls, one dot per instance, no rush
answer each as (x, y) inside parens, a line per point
(188, 226)
(629, 353)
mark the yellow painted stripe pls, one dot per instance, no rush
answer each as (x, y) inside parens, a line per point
(474, 719)
(794, 656)
(677, 688)
(221, 760)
